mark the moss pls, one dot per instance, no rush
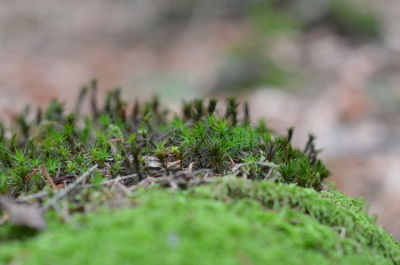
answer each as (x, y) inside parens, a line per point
(350, 19)
(344, 215)
(247, 66)
(230, 222)
(353, 20)
(266, 202)
(120, 142)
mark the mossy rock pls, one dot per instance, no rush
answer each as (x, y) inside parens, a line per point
(232, 221)
(236, 193)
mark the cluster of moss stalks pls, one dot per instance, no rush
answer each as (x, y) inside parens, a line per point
(264, 201)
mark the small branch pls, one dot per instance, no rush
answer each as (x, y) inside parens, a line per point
(69, 188)
(236, 169)
(110, 181)
(263, 164)
(44, 193)
(39, 195)
(63, 212)
(342, 232)
(47, 177)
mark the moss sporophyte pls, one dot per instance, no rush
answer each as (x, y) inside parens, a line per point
(237, 193)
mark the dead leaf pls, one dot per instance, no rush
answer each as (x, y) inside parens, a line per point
(23, 214)
(174, 165)
(152, 162)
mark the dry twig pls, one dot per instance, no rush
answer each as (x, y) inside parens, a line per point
(47, 177)
(69, 188)
(44, 193)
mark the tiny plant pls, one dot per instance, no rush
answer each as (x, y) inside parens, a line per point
(121, 139)
(260, 189)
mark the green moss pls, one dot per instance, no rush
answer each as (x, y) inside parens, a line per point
(266, 202)
(230, 222)
(119, 142)
(344, 215)
(247, 66)
(348, 18)
(354, 20)
(268, 18)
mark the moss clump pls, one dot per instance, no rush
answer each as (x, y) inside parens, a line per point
(122, 141)
(232, 221)
(265, 201)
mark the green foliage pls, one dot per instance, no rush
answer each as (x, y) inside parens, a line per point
(247, 66)
(268, 19)
(349, 18)
(66, 145)
(354, 20)
(267, 202)
(233, 221)
(344, 215)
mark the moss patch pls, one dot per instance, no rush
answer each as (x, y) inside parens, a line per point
(230, 222)
(263, 200)
(122, 141)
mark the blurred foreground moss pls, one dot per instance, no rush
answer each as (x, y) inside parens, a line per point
(232, 221)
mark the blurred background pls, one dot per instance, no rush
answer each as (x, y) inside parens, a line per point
(330, 67)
